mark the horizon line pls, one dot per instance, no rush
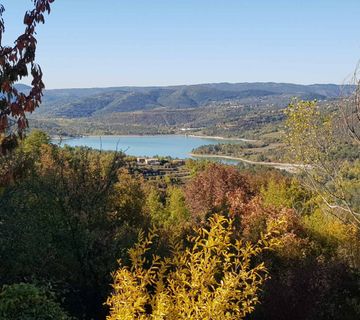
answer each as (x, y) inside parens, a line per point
(193, 84)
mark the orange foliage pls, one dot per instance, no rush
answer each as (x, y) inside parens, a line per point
(210, 191)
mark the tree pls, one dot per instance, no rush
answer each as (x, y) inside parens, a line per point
(216, 278)
(176, 206)
(316, 142)
(208, 192)
(67, 220)
(14, 62)
(155, 207)
(350, 110)
(35, 140)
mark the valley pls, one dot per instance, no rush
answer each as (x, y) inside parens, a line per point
(245, 110)
(250, 111)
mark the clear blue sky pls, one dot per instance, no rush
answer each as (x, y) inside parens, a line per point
(88, 43)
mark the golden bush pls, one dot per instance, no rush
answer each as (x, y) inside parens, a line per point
(216, 277)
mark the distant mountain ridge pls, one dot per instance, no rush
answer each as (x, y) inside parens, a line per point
(93, 102)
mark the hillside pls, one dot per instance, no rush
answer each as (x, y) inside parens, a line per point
(73, 103)
(220, 108)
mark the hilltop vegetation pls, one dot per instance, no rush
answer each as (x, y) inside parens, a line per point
(215, 109)
(77, 103)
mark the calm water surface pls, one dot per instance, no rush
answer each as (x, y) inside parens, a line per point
(175, 146)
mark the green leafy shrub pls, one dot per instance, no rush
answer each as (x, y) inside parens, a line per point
(27, 302)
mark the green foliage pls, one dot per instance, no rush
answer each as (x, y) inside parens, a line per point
(350, 183)
(196, 166)
(155, 207)
(34, 141)
(176, 207)
(288, 193)
(128, 198)
(67, 220)
(276, 194)
(27, 302)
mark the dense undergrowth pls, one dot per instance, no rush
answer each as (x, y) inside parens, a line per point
(70, 215)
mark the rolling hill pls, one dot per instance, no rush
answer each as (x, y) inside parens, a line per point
(240, 109)
(77, 103)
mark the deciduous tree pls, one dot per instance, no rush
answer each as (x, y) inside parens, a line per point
(315, 138)
(17, 62)
(209, 190)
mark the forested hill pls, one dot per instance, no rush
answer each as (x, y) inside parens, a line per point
(75, 103)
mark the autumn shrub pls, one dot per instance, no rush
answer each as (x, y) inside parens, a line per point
(313, 273)
(215, 278)
(208, 192)
(336, 238)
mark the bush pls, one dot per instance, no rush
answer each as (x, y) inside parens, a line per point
(216, 278)
(27, 302)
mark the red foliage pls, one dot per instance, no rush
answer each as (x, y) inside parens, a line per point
(211, 190)
(255, 216)
(14, 62)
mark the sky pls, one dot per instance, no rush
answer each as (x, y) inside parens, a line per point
(90, 43)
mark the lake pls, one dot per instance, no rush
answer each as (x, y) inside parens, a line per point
(175, 146)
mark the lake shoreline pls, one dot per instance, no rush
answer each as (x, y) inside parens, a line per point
(175, 146)
(290, 167)
(221, 138)
(57, 137)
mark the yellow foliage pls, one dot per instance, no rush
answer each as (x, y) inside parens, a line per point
(316, 141)
(309, 133)
(215, 278)
(343, 238)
